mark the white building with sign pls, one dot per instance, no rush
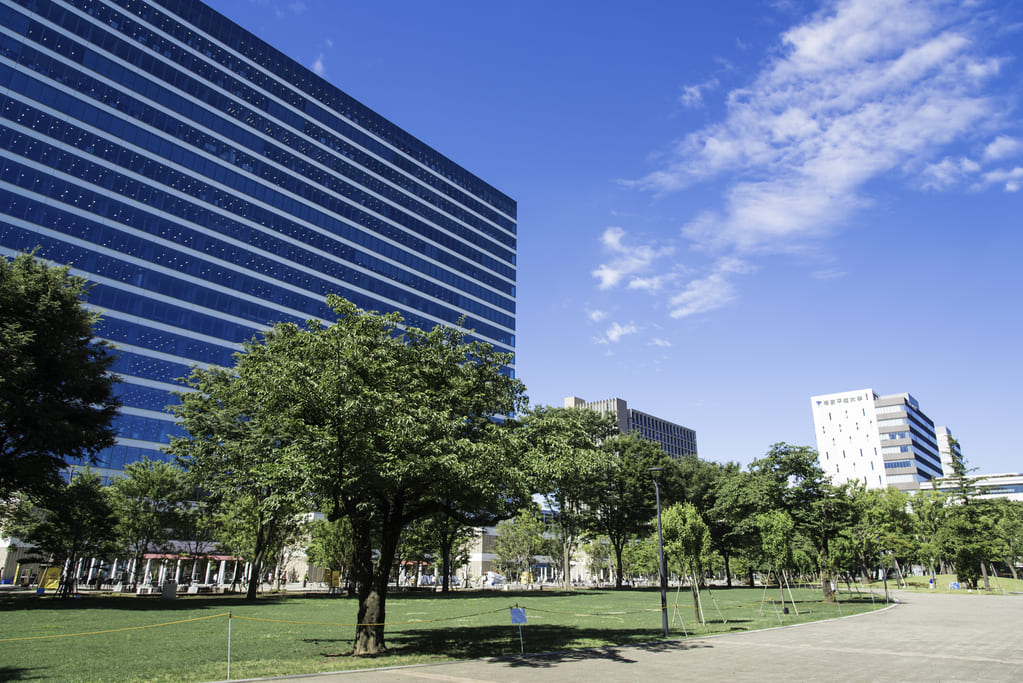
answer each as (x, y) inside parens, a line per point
(877, 440)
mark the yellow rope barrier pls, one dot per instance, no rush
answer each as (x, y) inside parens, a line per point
(113, 630)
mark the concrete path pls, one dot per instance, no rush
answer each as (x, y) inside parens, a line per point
(926, 638)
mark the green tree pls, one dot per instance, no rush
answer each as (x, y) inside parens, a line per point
(147, 502)
(1008, 530)
(330, 546)
(791, 480)
(75, 522)
(256, 485)
(739, 499)
(519, 540)
(567, 462)
(687, 542)
(391, 424)
(967, 537)
(56, 388)
(640, 557)
(930, 512)
(449, 540)
(777, 537)
(622, 498)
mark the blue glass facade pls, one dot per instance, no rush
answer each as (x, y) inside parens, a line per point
(209, 186)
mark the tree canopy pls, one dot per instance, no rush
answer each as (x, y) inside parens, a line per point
(379, 422)
(56, 389)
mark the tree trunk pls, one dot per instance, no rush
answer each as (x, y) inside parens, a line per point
(369, 633)
(66, 584)
(257, 559)
(983, 571)
(618, 564)
(372, 588)
(827, 583)
(446, 541)
(1012, 568)
(728, 570)
(566, 558)
(694, 588)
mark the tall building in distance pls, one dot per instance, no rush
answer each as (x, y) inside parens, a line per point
(676, 441)
(878, 440)
(208, 187)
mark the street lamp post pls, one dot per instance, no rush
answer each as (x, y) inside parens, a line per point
(655, 472)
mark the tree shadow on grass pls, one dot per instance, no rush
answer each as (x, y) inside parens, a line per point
(20, 673)
(545, 646)
(503, 641)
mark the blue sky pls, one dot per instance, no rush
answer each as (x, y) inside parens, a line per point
(725, 208)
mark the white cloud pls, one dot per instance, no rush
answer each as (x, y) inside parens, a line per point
(692, 95)
(597, 316)
(860, 90)
(948, 172)
(657, 341)
(1003, 147)
(614, 333)
(318, 66)
(627, 260)
(708, 293)
(1010, 179)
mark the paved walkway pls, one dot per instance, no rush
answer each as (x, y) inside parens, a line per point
(926, 638)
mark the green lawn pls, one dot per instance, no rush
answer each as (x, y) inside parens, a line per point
(186, 639)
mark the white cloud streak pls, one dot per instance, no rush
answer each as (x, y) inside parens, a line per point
(858, 91)
(626, 260)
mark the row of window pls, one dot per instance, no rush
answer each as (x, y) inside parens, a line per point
(61, 130)
(235, 201)
(146, 398)
(280, 69)
(22, 207)
(261, 238)
(204, 113)
(122, 332)
(276, 270)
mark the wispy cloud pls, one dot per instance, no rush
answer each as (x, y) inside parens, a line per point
(1010, 180)
(710, 292)
(692, 95)
(858, 91)
(658, 341)
(613, 334)
(596, 315)
(627, 260)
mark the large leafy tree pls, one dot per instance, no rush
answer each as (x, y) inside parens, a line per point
(622, 498)
(567, 461)
(791, 480)
(389, 424)
(75, 522)
(148, 503)
(256, 485)
(56, 388)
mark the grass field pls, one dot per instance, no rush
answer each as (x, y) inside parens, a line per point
(128, 638)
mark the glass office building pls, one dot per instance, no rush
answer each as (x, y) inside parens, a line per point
(209, 186)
